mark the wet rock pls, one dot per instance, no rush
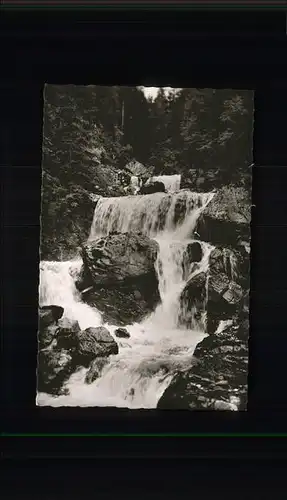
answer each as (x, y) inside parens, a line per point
(48, 318)
(84, 279)
(153, 187)
(71, 350)
(49, 315)
(68, 330)
(119, 257)
(218, 379)
(93, 343)
(226, 285)
(122, 333)
(121, 304)
(95, 197)
(194, 252)
(221, 292)
(54, 368)
(121, 269)
(179, 210)
(192, 300)
(47, 335)
(226, 219)
(95, 369)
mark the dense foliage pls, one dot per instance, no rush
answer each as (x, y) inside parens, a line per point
(91, 133)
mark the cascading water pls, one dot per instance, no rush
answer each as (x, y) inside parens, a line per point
(159, 346)
(154, 215)
(57, 286)
(134, 184)
(171, 182)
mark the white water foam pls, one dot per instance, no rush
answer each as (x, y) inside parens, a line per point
(171, 182)
(158, 347)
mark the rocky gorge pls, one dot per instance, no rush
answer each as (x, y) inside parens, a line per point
(157, 312)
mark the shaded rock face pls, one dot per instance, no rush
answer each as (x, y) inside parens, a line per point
(226, 219)
(122, 333)
(193, 299)
(49, 315)
(125, 303)
(63, 348)
(194, 252)
(220, 292)
(67, 335)
(153, 187)
(119, 257)
(93, 343)
(55, 360)
(227, 285)
(119, 276)
(218, 378)
(84, 279)
(54, 368)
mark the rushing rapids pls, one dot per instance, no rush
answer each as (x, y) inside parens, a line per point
(160, 345)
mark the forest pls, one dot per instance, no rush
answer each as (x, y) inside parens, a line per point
(92, 134)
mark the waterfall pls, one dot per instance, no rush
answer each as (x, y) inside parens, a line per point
(153, 215)
(134, 184)
(57, 286)
(171, 182)
(159, 346)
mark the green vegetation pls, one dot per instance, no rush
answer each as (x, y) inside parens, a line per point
(91, 133)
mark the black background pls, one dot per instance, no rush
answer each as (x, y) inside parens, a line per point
(231, 50)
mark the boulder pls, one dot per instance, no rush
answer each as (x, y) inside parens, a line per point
(122, 273)
(122, 333)
(93, 343)
(194, 252)
(218, 378)
(152, 187)
(119, 257)
(54, 368)
(47, 335)
(95, 369)
(226, 218)
(70, 350)
(48, 318)
(83, 279)
(67, 334)
(120, 304)
(49, 314)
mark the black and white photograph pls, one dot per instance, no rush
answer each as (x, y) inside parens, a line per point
(145, 247)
